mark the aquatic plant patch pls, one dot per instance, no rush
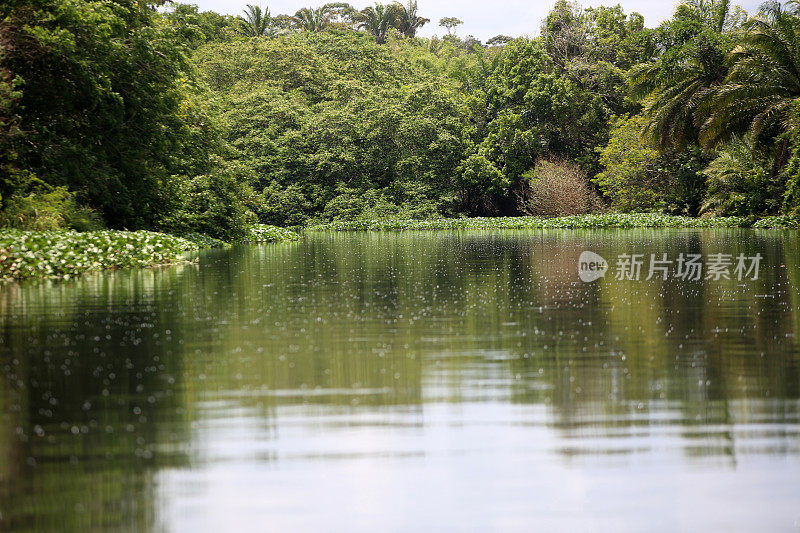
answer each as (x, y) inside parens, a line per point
(64, 254)
(204, 241)
(778, 222)
(591, 221)
(267, 233)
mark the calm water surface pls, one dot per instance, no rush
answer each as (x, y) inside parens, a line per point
(407, 382)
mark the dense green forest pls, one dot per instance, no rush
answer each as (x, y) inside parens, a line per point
(134, 115)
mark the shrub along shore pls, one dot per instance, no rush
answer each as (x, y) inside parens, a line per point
(65, 254)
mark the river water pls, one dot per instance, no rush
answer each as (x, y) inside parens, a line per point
(465, 381)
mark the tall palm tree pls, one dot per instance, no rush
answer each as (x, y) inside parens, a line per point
(675, 91)
(255, 22)
(671, 101)
(310, 19)
(719, 15)
(762, 90)
(321, 18)
(408, 20)
(378, 19)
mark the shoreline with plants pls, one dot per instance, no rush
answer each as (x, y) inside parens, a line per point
(65, 254)
(590, 221)
(124, 115)
(132, 115)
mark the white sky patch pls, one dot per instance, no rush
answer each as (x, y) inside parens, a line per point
(481, 19)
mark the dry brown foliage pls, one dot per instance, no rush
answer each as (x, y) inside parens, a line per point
(558, 188)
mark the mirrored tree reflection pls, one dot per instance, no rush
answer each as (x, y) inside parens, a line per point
(91, 401)
(112, 382)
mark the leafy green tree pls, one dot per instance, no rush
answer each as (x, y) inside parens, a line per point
(534, 111)
(408, 19)
(499, 40)
(111, 113)
(196, 28)
(12, 177)
(218, 203)
(378, 20)
(631, 178)
(617, 39)
(100, 110)
(478, 176)
(283, 24)
(637, 177)
(565, 33)
(315, 116)
(342, 16)
(450, 23)
(739, 181)
(594, 48)
(472, 71)
(791, 196)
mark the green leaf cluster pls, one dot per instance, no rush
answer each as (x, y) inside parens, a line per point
(317, 115)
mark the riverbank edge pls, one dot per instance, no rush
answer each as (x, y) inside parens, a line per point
(601, 221)
(65, 254)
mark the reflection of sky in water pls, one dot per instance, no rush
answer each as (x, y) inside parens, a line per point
(465, 467)
(460, 381)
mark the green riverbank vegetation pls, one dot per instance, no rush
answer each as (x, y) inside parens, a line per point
(133, 115)
(589, 221)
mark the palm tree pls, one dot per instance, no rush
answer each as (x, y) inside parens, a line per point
(255, 23)
(671, 102)
(675, 92)
(762, 90)
(321, 18)
(310, 19)
(378, 20)
(408, 20)
(719, 15)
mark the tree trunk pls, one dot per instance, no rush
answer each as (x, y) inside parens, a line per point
(781, 157)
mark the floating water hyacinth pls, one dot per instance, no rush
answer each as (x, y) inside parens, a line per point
(64, 254)
(204, 241)
(777, 222)
(612, 220)
(267, 233)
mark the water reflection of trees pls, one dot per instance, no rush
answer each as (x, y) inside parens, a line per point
(88, 403)
(612, 359)
(475, 300)
(380, 321)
